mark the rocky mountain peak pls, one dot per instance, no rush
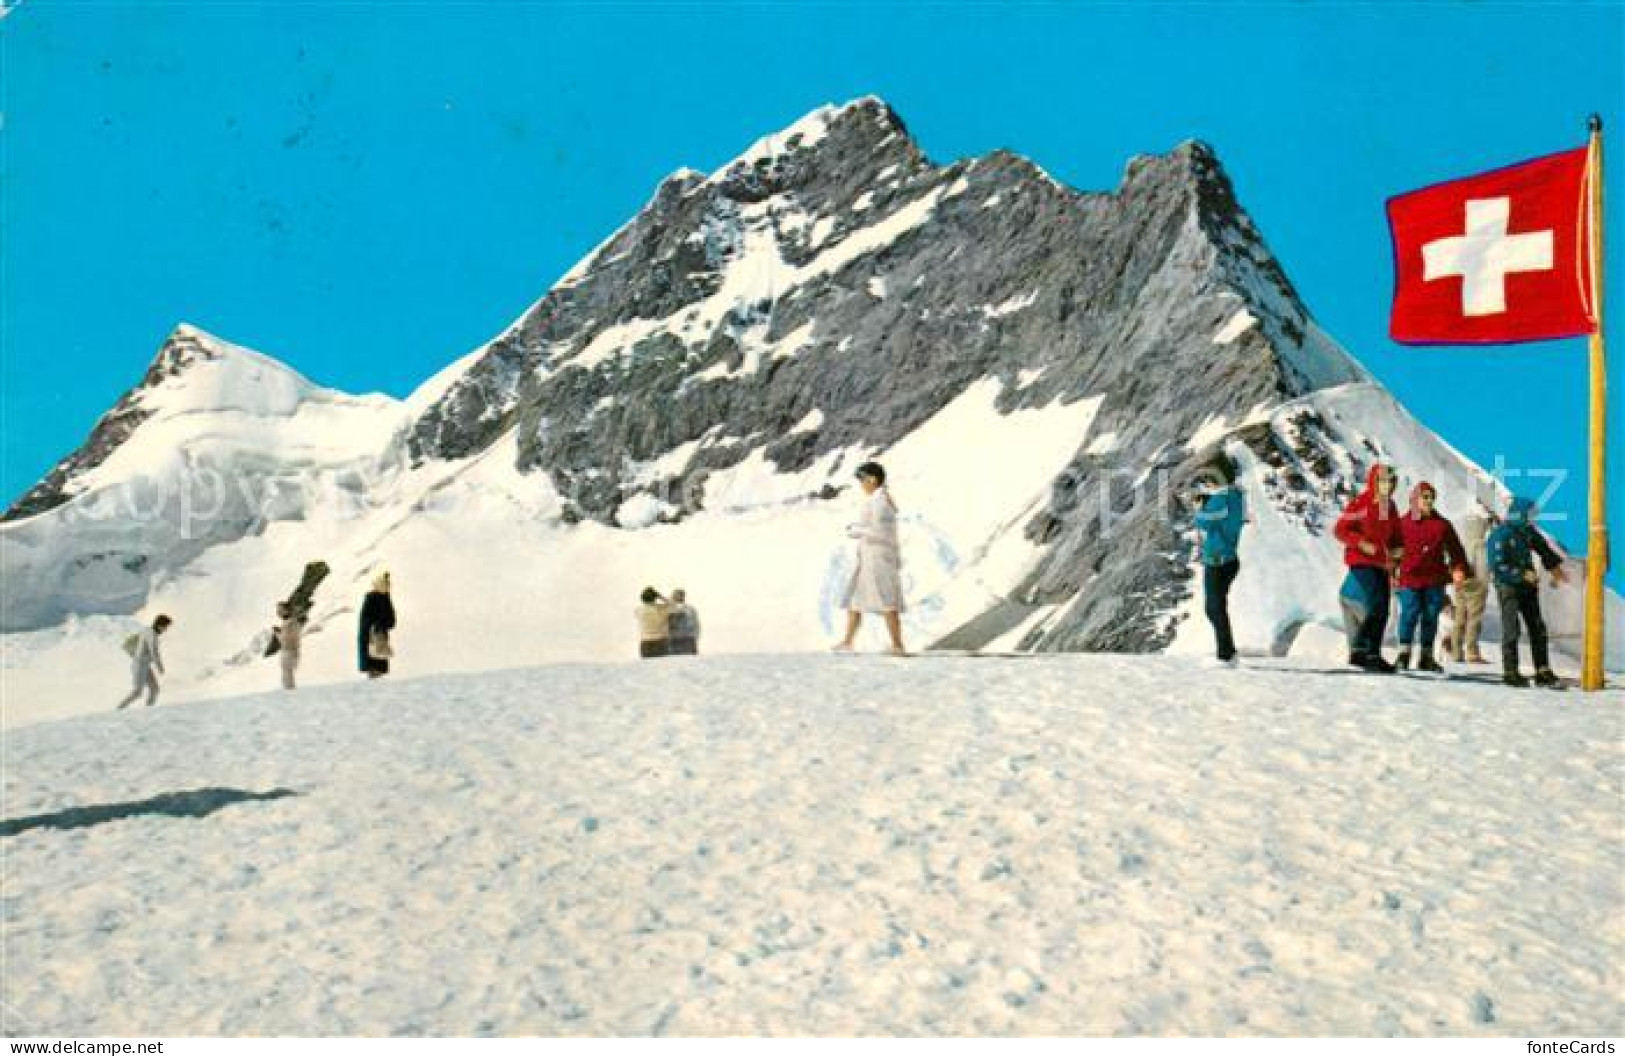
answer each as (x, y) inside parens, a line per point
(860, 138)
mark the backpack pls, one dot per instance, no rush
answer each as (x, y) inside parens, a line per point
(132, 643)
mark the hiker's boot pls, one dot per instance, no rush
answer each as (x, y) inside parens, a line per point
(1427, 663)
(1403, 660)
(1512, 678)
(1374, 663)
(1546, 677)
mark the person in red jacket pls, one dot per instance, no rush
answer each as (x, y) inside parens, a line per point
(1369, 532)
(1433, 557)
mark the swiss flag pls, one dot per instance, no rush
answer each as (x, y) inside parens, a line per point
(1495, 258)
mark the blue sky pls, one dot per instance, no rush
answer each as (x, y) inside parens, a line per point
(368, 191)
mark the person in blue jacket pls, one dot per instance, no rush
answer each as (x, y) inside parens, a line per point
(1511, 552)
(1219, 520)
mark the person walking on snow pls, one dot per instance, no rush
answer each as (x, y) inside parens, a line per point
(682, 626)
(1220, 520)
(377, 620)
(146, 662)
(654, 624)
(1433, 557)
(1467, 616)
(877, 582)
(289, 633)
(1513, 546)
(1369, 532)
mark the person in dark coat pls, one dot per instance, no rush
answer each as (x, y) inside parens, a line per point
(377, 620)
(1369, 532)
(682, 626)
(1219, 520)
(1512, 549)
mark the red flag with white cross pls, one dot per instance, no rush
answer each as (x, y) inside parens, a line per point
(1496, 258)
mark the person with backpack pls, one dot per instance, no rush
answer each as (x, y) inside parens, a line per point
(682, 626)
(1513, 547)
(1369, 532)
(146, 661)
(1467, 615)
(1433, 557)
(377, 620)
(1219, 520)
(289, 633)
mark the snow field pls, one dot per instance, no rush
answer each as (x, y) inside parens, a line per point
(828, 845)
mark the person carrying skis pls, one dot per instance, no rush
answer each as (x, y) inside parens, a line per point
(289, 633)
(1433, 557)
(146, 662)
(1369, 532)
(1513, 546)
(1219, 520)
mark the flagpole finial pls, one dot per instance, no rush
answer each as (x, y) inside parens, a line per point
(1594, 122)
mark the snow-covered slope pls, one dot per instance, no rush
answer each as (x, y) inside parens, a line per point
(218, 442)
(777, 845)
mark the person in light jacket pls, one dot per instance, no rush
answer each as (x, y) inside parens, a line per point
(1472, 593)
(653, 616)
(877, 582)
(290, 632)
(146, 663)
(377, 620)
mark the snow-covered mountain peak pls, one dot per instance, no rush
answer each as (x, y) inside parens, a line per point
(195, 371)
(870, 114)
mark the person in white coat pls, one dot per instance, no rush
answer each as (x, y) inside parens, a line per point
(146, 662)
(877, 582)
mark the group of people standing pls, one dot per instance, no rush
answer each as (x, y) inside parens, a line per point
(1418, 554)
(666, 627)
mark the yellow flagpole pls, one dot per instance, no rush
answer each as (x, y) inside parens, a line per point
(1591, 670)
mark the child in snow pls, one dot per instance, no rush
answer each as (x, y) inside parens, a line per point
(377, 620)
(1513, 546)
(1369, 532)
(654, 624)
(1433, 557)
(146, 662)
(682, 626)
(1467, 615)
(1220, 520)
(289, 633)
(877, 583)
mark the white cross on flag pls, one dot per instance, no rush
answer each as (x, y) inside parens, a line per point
(1494, 258)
